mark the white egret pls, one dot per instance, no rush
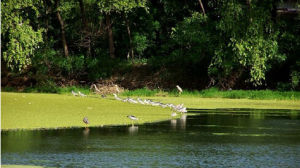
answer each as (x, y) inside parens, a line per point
(130, 100)
(179, 89)
(81, 94)
(140, 101)
(116, 97)
(117, 89)
(74, 93)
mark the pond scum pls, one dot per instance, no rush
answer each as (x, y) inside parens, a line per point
(40, 111)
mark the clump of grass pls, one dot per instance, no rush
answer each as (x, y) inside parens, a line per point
(216, 93)
(140, 92)
(251, 94)
(49, 89)
(8, 89)
(161, 93)
(145, 92)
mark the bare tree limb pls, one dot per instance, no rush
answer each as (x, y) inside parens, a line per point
(200, 2)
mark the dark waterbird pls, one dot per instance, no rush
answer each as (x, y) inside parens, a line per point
(86, 120)
(132, 118)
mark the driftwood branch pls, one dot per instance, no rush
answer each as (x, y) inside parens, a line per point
(200, 2)
(95, 87)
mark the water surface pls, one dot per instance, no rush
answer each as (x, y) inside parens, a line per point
(210, 138)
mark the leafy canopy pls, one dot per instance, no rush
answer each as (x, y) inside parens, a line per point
(22, 38)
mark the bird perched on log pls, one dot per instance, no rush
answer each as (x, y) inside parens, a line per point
(179, 89)
(74, 93)
(117, 89)
(86, 120)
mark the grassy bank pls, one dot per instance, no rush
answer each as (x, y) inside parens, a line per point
(207, 93)
(31, 111)
(215, 93)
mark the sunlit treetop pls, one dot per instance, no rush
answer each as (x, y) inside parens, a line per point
(118, 6)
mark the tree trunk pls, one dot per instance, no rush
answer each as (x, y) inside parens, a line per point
(85, 28)
(110, 37)
(200, 2)
(48, 10)
(83, 17)
(62, 27)
(46, 24)
(131, 53)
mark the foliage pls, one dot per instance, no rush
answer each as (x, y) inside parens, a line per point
(110, 6)
(140, 43)
(281, 86)
(235, 44)
(48, 60)
(250, 46)
(22, 39)
(295, 77)
(191, 38)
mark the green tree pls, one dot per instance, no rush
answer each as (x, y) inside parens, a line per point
(20, 38)
(109, 7)
(248, 42)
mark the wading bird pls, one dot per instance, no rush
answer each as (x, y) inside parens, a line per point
(86, 120)
(179, 89)
(140, 101)
(74, 93)
(132, 118)
(162, 105)
(130, 100)
(147, 101)
(182, 110)
(81, 94)
(116, 97)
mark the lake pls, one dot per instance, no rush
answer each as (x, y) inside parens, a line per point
(204, 138)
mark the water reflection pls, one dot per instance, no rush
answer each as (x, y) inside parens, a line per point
(173, 123)
(133, 130)
(86, 132)
(182, 121)
(219, 138)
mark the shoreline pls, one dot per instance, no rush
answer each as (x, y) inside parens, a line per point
(31, 111)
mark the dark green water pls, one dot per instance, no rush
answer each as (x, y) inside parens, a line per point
(244, 138)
